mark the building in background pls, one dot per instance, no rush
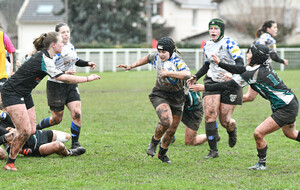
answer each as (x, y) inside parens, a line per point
(36, 17)
(183, 18)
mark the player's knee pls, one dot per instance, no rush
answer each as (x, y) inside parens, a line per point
(166, 122)
(257, 135)
(59, 145)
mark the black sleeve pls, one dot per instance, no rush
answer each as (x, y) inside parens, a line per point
(203, 70)
(235, 69)
(81, 63)
(239, 61)
(221, 86)
(275, 57)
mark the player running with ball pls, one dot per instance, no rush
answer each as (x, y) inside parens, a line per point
(167, 96)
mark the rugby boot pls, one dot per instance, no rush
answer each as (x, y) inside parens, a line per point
(77, 151)
(164, 158)
(258, 166)
(212, 154)
(151, 149)
(10, 167)
(232, 137)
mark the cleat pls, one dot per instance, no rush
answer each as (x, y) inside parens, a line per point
(232, 138)
(77, 151)
(75, 145)
(164, 158)
(26, 151)
(10, 167)
(151, 149)
(258, 166)
(212, 154)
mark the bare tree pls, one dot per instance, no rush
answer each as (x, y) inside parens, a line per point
(247, 16)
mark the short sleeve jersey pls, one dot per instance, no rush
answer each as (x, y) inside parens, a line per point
(29, 75)
(227, 50)
(66, 59)
(161, 84)
(268, 40)
(266, 82)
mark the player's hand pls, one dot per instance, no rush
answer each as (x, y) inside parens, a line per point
(226, 76)
(216, 59)
(285, 62)
(92, 65)
(191, 80)
(93, 77)
(18, 63)
(163, 73)
(126, 67)
(70, 72)
(197, 87)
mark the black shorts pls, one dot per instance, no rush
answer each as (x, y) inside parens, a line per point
(10, 98)
(232, 96)
(41, 137)
(2, 81)
(60, 94)
(174, 99)
(287, 114)
(192, 118)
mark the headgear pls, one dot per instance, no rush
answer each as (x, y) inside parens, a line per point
(260, 54)
(220, 24)
(166, 44)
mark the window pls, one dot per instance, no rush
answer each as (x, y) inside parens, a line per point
(44, 9)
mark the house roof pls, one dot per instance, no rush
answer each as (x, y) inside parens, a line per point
(41, 11)
(196, 4)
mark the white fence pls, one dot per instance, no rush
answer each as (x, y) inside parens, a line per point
(108, 59)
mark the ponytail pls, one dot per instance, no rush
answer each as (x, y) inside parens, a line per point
(44, 40)
(263, 29)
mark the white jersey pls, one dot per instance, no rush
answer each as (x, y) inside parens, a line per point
(65, 60)
(227, 50)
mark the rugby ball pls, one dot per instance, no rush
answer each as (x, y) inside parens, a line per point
(169, 66)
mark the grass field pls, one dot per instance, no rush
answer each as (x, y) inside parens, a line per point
(118, 122)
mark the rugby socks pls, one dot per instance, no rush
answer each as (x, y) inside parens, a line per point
(262, 155)
(5, 117)
(43, 124)
(298, 137)
(2, 115)
(10, 161)
(211, 134)
(2, 140)
(155, 142)
(162, 151)
(75, 131)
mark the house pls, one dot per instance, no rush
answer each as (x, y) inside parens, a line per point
(184, 18)
(36, 17)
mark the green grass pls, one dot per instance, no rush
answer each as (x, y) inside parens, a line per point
(118, 121)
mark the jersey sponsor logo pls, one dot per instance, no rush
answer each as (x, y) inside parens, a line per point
(22, 99)
(232, 97)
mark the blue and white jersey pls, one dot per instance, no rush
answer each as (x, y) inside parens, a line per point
(227, 50)
(65, 60)
(266, 82)
(180, 65)
(268, 40)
